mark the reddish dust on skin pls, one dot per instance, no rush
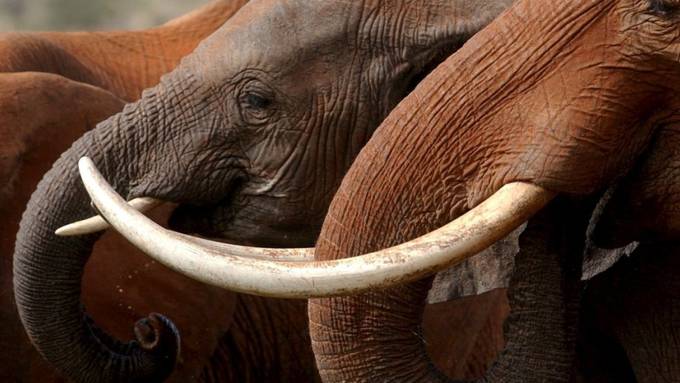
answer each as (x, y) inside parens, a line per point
(106, 59)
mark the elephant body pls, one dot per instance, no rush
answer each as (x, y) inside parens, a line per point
(121, 62)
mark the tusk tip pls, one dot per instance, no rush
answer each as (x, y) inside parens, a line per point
(62, 232)
(89, 226)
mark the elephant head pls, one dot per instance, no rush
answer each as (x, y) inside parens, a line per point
(250, 135)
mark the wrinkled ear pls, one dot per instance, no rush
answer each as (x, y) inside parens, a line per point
(489, 270)
(646, 205)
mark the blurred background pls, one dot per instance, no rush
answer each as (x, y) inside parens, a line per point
(90, 14)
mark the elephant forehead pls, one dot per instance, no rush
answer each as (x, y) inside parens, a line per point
(280, 34)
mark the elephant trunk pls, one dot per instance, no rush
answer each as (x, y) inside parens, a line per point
(48, 269)
(379, 334)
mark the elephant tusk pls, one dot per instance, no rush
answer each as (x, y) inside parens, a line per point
(145, 204)
(97, 223)
(223, 266)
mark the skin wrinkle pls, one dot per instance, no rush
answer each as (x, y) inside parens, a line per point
(328, 156)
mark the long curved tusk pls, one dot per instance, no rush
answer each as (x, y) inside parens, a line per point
(482, 226)
(144, 204)
(97, 223)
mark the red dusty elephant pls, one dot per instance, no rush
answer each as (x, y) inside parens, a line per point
(554, 100)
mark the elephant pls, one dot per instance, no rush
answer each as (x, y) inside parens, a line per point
(250, 135)
(581, 102)
(53, 88)
(566, 98)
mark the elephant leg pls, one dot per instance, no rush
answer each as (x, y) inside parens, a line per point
(638, 302)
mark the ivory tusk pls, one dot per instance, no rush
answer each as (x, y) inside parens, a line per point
(97, 223)
(227, 266)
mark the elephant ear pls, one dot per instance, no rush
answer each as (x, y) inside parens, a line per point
(642, 207)
(492, 268)
(489, 270)
(597, 258)
(646, 205)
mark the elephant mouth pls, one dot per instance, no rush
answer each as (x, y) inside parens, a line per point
(232, 220)
(226, 219)
(207, 220)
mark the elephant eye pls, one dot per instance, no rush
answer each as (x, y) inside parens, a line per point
(257, 101)
(664, 7)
